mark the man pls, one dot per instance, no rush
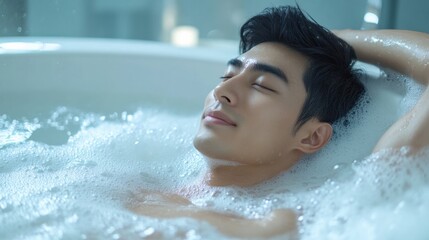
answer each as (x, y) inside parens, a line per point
(278, 99)
(277, 102)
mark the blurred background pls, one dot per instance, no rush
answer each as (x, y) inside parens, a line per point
(192, 22)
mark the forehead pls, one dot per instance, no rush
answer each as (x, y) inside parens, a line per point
(291, 62)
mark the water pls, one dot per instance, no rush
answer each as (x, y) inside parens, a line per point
(62, 189)
(71, 174)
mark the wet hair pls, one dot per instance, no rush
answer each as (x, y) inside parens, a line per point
(332, 84)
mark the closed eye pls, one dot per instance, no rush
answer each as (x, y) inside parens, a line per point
(259, 86)
(224, 78)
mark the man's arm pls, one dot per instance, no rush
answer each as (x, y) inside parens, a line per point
(162, 205)
(406, 52)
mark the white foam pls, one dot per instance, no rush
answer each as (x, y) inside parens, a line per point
(55, 187)
(384, 198)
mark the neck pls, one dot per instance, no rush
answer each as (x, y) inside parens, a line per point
(245, 175)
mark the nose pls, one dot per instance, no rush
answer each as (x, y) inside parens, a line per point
(226, 93)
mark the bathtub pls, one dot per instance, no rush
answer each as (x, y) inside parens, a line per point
(75, 188)
(131, 72)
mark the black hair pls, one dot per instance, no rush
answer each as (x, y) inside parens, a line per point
(332, 84)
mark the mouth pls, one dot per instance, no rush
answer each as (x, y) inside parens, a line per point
(218, 118)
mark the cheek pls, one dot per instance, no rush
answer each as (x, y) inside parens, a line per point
(276, 133)
(267, 145)
(280, 123)
(277, 115)
(272, 128)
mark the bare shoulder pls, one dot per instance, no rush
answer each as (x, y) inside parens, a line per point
(411, 130)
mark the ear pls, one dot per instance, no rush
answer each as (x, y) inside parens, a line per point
(315, 138)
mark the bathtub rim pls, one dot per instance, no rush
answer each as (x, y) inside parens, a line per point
(72, 45)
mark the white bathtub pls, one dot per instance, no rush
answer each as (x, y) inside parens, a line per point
(48, 190)
(103, 74)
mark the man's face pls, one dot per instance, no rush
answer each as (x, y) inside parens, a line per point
(249, 117)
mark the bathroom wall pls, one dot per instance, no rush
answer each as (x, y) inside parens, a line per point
(13, 17)
(412, 15)
(146, 19)
(214, 20)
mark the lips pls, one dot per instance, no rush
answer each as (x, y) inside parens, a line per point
(218, 117)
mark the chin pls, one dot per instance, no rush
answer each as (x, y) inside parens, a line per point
(209, 148)
(213, 163)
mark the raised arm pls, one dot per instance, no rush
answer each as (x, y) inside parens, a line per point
(406, 52)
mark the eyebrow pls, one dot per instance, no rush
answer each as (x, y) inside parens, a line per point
(262, 67)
